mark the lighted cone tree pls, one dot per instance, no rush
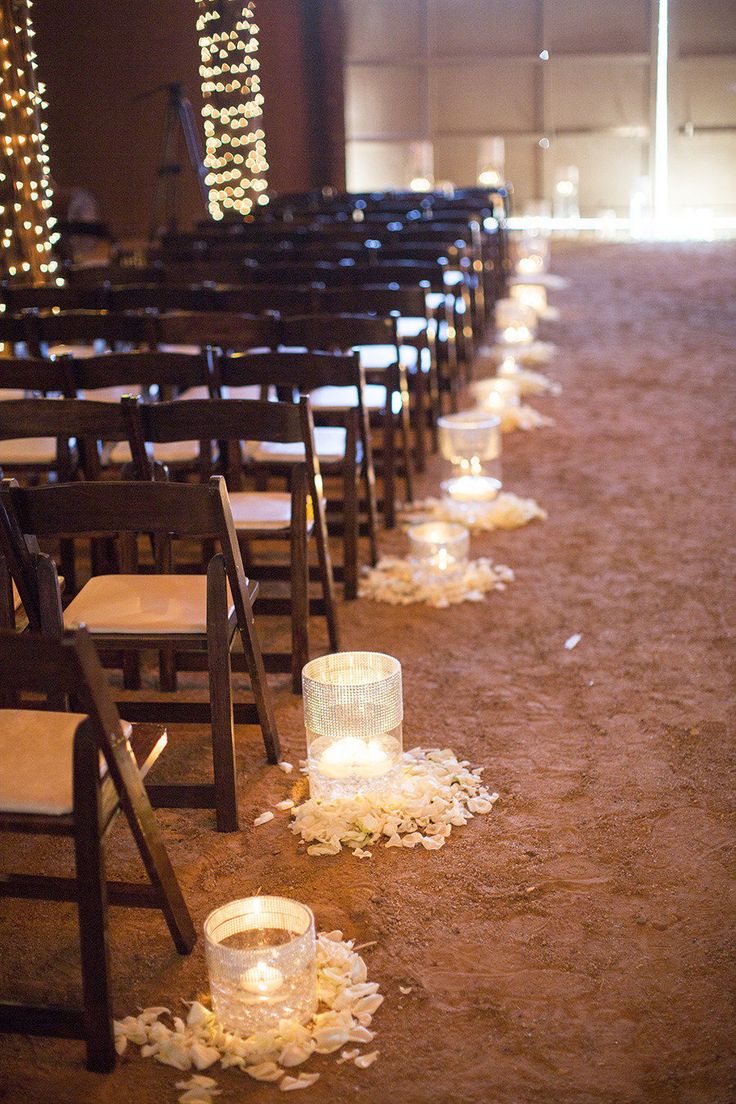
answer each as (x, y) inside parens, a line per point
(235, 146)
(26, 225)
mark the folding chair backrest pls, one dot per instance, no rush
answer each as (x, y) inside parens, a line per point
(68, 327)
(65, 418)
(49, 296)
(35, 374)
(408, 302)
(66, 667)
(174, 370)
(223, 328)
(337, 332)
(216, 420)
(259, 298)
(156, 296)
(304, 372)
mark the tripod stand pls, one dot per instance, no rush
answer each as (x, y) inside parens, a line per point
(179, 118)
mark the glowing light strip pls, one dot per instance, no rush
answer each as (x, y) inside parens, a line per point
(661, 136)
(235, 145)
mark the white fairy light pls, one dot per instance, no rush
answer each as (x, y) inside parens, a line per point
(233, 102)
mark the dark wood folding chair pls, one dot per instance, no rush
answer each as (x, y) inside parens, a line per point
(337, 380)
(416, 343)
(377, 337)
(69, 774)
(136, 612)
(152, 375)
(258, 515)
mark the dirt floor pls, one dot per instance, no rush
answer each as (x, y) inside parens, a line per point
(575, 947)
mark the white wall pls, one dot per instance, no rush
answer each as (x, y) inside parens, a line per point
(457, 72)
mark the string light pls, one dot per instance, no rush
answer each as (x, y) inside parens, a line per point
(26, 227)
(235, 144)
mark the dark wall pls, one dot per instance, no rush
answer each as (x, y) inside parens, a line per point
(96, 56)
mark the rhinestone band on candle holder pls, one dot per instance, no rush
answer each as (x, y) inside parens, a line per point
(439, 548)
(353, 713)
(262, 965)
(471, 441)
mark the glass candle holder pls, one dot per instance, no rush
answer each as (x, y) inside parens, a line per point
(439, 548)
(515, 324)
(353, 714)
(262, 964)
(471, 441)
(497, 395)
(530, 295)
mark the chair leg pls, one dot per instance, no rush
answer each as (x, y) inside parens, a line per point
(221, 701)
(325, 565)
(92, 908)
(253, 657)
(388, 466)
(167, 670)
(299, 582)
(351, 532)
(420, 416)
(406, 445)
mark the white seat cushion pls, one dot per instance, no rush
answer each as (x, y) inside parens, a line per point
(379, 357)
(36, 750)
(412, 327)
(261, 510)
(329, 443)
(141, 604)
(345, 398)
(79, 352)
(28, 450)
(251, 392)
(174, 452)
(7, 393)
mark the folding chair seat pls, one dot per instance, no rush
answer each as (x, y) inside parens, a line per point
(257, 515)
(69, 773)
(131, 613)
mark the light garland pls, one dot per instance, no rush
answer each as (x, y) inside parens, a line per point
(235, 143)
(27, 230)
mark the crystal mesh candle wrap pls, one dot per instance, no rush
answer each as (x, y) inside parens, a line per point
(261, 961)
(353, 712)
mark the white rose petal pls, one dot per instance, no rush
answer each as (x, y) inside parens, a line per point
(363, 1061)
(262, 819)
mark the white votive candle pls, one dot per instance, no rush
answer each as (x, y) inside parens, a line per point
(262, 980)
(353, 757)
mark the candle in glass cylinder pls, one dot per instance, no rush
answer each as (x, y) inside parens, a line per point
(261, 962)
(471, 441)
(439, 548)
(353, 718)
(530, 295)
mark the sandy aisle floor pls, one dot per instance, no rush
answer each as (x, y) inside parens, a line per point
(577, 945)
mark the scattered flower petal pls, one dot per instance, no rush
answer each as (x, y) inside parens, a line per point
(282, 806)
(573, 641)
(287, 768)
(363, 1061)
(263, 819)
